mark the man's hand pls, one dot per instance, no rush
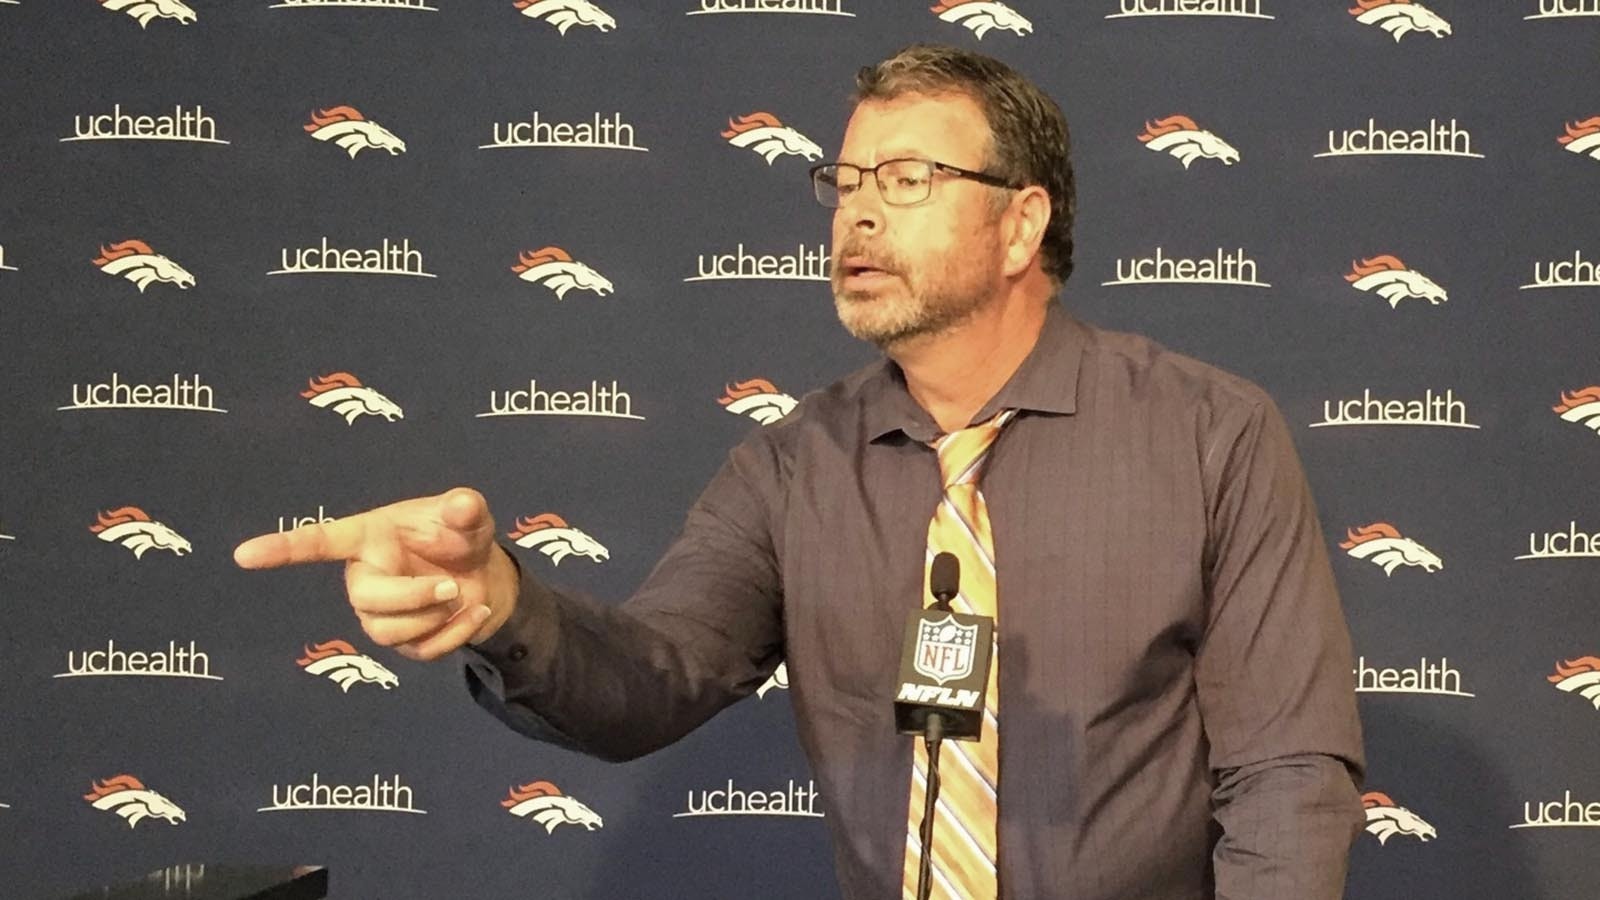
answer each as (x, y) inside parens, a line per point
(424, 575)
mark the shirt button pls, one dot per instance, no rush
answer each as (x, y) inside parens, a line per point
(517, 652)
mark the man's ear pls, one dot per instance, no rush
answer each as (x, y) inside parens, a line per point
(1022, 228)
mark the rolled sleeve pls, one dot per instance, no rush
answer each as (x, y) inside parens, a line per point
(704, 630)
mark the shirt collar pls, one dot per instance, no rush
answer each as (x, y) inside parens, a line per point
(1046, 382)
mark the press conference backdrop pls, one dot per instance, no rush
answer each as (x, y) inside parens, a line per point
(264, 263)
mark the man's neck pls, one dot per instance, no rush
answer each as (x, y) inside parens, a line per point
(954, 373)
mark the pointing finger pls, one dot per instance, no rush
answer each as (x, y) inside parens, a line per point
(316, 542)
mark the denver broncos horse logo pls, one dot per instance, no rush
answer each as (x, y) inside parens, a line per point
(342, 664)
(129, 798)
(778, 680)
(982, 16)
(1179, 136)
(1382, 545)
(145, 10)
(551, 535)
(763, 133)
(564, 14)
(1582, 405)
(544, 803)
(757, 398)
(554, 268)
(135, 261)
(1583, 137)
(347, 127)
(1389, 278)
(1385, 819)
(133, 528)
(346, 395)
(1400, 17)
(1579, 676)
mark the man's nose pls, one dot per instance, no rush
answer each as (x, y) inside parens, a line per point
(863, 209)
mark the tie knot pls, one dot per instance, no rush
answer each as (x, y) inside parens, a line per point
(962, 452)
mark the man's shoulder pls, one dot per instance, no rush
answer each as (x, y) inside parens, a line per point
(833, 410)
(1151, 372)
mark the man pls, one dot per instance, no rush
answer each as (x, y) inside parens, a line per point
(1176, 717)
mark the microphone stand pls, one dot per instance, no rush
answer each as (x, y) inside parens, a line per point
(933, 737)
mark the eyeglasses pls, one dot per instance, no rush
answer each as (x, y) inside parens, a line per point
(901, 182)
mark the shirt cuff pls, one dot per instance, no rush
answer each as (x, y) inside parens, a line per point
(523, 643)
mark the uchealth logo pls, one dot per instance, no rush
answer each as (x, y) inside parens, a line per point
(1565, 9)
(1180, 137)
(1433, 410)
(1386, 818)
(1400, 17)
(757, 398)
(1563, 813)
(191, 125)
(346, 396)
(1556, 273)
(1583, 137)
(608, 401)
(133, 528)
(1570, 544)
(794, 799)
(1234, 9)
(1391, 279)
(417, 5)
(1437, 139)
(544, 803)
(134, 260)
(762, 133)
(186, 393)
(127, 796)
(791, 7)
(347, 127)
(1385, 547)
(777, 681)
(1426, 677)
(982, 16)
(1579, 676)
(339, 662)
(378, 795)
(1222, 267)
(551, 535)
(599, 133)
(804, 264)
(1581, 407)
(174, 661)
(145, 10)
(555, 268)
(388, 258)
(564, 14)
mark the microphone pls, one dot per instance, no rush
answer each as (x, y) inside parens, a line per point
(944, 664)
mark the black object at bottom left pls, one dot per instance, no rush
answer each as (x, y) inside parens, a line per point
(204, 881)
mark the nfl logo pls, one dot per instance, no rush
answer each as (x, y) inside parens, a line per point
(944, 649)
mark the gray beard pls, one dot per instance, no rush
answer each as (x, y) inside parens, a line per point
(935, 314)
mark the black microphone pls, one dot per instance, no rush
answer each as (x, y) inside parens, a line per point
(944, 579)
(944, 664)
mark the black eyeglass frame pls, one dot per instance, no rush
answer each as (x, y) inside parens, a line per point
(933, 166)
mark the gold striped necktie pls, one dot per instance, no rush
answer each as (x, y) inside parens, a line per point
(964, 836)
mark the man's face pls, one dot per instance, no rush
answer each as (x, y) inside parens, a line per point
(904, 271)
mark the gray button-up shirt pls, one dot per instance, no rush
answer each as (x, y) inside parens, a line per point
(1178, 711)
